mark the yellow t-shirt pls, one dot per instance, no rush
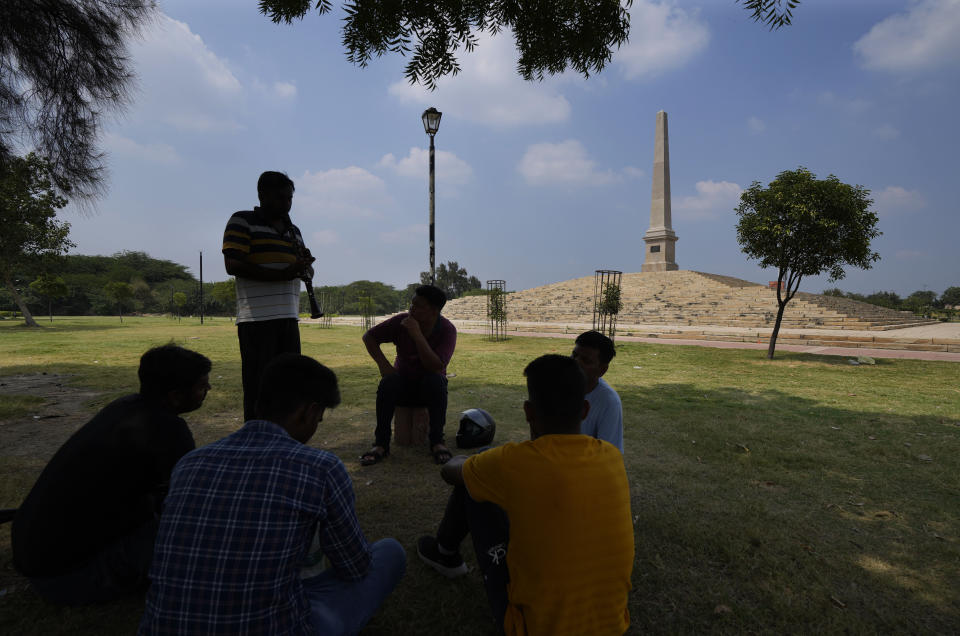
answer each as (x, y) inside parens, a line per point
(571, 537)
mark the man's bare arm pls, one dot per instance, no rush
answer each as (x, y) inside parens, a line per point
(373, 348)
(237, 265)
(428, 357)
(452, 471)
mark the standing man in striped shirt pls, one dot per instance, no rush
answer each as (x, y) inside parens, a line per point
(264, 250)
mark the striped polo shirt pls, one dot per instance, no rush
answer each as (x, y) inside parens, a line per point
(251, 233)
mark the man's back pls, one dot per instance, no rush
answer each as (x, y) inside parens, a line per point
(103, 483)
(605, 419)
(571, 536)
(235, 529)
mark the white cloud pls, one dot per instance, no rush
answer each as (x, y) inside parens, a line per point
(898, 200)
(182, 82)
(450, 168)
(565, 163)
(924, 37)
(886, 132)
(412, 234)
(633, 172)
(852, 105)
(119, 146)
(341, 193)
(712, 200)
(910, 255)
(756, 125)
(324, 237)
(285, 90)
(488, 90)
(663, 38)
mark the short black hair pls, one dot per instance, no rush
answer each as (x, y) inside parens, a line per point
(290, 380)
(170, 368)
(598, 341)
(271, 181)
(556, 387)
(434, 295)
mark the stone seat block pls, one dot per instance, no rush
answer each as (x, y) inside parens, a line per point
(411, 424)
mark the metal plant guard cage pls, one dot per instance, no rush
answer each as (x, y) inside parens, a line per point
(606, 300)
(366, 312)
(497, 309)
(324, 299)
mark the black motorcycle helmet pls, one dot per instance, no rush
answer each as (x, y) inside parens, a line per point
(476, 429)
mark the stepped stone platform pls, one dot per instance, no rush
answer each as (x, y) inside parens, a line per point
(685, 298)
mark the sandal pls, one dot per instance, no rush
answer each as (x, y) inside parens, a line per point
(441, 454)
(374, 456)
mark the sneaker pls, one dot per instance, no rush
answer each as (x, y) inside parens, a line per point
(449, 565)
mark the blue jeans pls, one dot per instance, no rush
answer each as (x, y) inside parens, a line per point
(344, 607)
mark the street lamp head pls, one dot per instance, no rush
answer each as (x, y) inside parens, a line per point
(431, 120)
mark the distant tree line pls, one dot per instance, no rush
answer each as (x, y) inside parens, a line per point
(919, 302)
(135, 283)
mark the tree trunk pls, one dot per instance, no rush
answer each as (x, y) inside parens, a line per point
(27, 316)
(776, 329)
(50, 308)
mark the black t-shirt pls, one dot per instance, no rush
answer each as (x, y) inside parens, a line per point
(107, 480)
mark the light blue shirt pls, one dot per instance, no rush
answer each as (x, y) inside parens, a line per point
(605, 419)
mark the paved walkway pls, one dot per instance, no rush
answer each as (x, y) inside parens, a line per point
(949, 330)
(940, 331)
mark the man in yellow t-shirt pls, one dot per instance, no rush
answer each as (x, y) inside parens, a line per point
(549, 518)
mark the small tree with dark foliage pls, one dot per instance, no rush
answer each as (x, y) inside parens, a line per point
(29, 229)
(805, 226)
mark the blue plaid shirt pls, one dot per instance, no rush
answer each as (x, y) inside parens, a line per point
(236, 526)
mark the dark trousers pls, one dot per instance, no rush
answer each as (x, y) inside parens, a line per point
(259, 343)
(116, 571)
(487, 524)
(397, 390)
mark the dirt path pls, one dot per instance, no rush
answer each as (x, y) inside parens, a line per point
(39, 433)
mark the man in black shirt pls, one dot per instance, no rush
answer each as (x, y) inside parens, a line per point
(85, 532)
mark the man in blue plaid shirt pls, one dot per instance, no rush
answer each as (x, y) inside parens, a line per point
(241, 514)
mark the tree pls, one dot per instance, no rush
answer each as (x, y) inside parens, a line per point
(950, 297)
(119, 292)
(452, 279)
(920, 301)
(551, 35)
(30, 232)
(805, 226)
(179, 300)
(225, 293)
(50, 287)
(888, 299)
(63, 66)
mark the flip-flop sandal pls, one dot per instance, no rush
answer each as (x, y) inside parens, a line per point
(442, 455)
(373, 456)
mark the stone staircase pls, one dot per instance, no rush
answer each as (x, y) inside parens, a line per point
(686, 298)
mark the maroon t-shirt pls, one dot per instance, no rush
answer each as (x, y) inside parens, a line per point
(443, 340)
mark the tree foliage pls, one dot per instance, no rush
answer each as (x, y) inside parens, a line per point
(50, 287)
(950, 297)
(804, 226)
(452, 279)
(550, 35)
(29, 230)
(119, 293)
(773, 13)
(64, 65)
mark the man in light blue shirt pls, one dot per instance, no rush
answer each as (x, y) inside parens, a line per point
(594, 351)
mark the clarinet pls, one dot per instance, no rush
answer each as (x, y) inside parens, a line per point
(315, 311)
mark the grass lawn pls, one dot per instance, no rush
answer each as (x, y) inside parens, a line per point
(799, 495)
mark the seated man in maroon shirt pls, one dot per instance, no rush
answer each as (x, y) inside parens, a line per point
(425, 341)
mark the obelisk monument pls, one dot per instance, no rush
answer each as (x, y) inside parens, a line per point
(660, 238)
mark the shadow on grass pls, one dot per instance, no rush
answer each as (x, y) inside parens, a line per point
(755, 511)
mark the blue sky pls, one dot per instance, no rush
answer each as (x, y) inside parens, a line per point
(545, 181)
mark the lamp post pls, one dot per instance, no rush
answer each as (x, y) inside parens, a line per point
(431, 124)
